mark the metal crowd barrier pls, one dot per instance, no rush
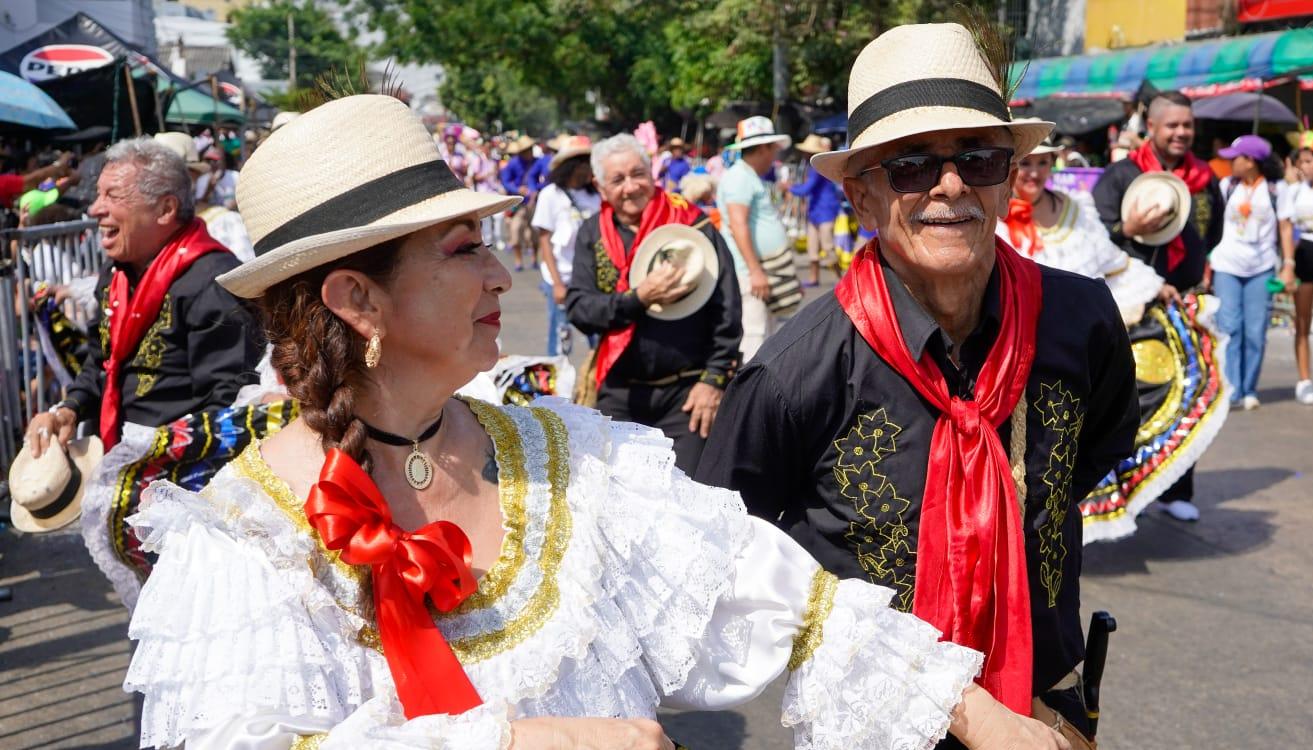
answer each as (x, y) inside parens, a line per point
(55, 254)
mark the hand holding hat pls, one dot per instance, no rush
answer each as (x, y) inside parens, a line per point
(1155, 208)
(47, 490)
(674, 270)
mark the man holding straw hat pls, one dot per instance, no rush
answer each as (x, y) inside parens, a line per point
(932, 424)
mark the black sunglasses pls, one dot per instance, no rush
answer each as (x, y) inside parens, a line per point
(917, 173)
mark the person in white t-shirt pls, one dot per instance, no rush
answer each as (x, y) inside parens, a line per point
(1297, 263)
(1245, 261)
(569, 198)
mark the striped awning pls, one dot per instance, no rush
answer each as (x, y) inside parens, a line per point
(1207, 68)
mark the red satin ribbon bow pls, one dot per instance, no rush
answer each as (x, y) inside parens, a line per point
(350, 514)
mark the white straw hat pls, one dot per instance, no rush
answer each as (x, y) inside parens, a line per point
(917, 79)
(688, 249)
(47, 491)
(343, 177)
(575, 145)
(185, 147)
(1162, 189)
(756, 130)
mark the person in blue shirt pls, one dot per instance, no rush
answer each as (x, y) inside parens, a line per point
(822, 209)
(542, 166)
(515, 180)
(678, 166)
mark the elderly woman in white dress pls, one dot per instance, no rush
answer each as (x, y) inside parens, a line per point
(405, 568)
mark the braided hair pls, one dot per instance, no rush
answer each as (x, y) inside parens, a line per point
(319, 357)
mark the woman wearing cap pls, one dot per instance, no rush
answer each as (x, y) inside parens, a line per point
(1245, 261)
(401, 568)
(1297, 263)
(569, 197)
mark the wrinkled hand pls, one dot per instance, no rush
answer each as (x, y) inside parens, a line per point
(1168, 294)
(663, 286)
(702, 404)
(550, 733)
(45, 427)
(759, 284)
(1145, 219)
(558, 293)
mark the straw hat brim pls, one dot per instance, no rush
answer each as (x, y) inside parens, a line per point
(758, 140)
(706, 280)
(919, 121)
(86, 455)
(1182, 216)
(569, 153)
(252, 278)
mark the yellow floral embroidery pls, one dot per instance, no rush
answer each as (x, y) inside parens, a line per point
(607, 273)
(150, 354)
(1061, 414)
(880, 538)
(819, 605)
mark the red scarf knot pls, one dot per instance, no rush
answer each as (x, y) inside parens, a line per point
(664, 208)
(1196, 174)
(351, 516)
(971, 579)
(1021, 226)
(965, 415)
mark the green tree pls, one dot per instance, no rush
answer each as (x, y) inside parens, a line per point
(261, 32)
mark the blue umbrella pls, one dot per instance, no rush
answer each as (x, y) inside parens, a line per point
(22, 103)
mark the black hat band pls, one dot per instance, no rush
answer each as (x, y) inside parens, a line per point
(51, 510)
(927, 92)
(367, 203)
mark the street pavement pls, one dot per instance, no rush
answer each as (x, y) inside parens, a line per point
(1214, 647)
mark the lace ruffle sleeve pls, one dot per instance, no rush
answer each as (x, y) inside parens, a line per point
(239, 646)
(724, 603)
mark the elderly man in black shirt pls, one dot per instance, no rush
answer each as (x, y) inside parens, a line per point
(670, 374)
(933, 424)
(195, 346)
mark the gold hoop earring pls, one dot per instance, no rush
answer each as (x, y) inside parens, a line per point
(374, 351)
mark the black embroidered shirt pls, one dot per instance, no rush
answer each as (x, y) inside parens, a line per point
(821, 436)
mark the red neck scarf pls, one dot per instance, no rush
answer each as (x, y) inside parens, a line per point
(664, 208)
(1021, 226)
(350, 514)
(132, 313)
(1193, 170)
(971, 580)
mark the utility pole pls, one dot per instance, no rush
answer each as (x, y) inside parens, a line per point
(291, 52)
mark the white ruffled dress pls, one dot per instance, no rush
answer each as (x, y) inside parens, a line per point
(621, 585)
(1078, 242)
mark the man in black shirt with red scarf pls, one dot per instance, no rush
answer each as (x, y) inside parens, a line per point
(932, 425)
(668, 374)
(1182, 260)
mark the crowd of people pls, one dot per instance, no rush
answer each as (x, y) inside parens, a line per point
(326, 538)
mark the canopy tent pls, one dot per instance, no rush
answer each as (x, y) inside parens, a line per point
(1208, 68)
(81, 43)
(99, 98)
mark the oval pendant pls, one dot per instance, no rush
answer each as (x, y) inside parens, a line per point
(419, 472)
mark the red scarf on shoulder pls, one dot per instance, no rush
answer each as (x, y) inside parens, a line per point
(971, 580)
(132, 312)
(1193, 170)
(664, 208)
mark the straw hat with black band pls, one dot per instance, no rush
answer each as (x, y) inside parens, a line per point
(687, 249)
(814, 144)
(47, 491)
(920, 79)
(343, 177)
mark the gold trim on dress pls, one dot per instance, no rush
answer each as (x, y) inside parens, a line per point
(819, 605)
(308, 742)
(544, 602)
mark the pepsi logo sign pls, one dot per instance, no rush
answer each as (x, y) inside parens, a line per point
(59, 60)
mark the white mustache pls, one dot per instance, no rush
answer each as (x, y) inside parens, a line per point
(943, 215)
